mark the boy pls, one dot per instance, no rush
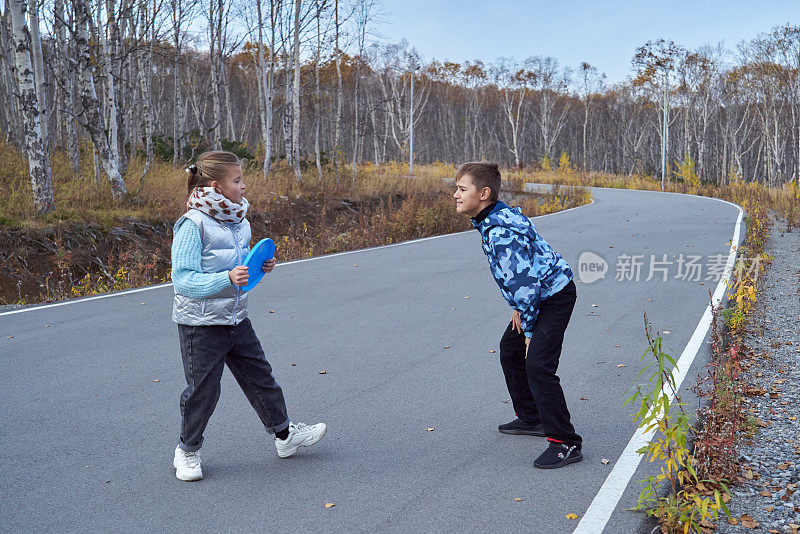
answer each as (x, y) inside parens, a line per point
(537, 283)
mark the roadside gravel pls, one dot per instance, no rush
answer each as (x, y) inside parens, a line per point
(768, 497)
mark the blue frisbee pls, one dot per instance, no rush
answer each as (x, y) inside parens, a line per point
(263, 251)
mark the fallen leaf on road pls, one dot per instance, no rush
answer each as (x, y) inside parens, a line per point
(9, 337)
(156, 380)
(765, 493)
(517, 499)
(666, 332)
(616, 346)
(620, 365)
(294, 365)
(447, 346)
(605, 461)
(47, 326)
(492, 351)
(323, 372)
(329, 505)
(141, 303)
(571, 516)
(769, 508)
(356, 265)
(595, 306)
(466, 297)
(748, 522)
(733, 521)
(584, 398)
(650, 300)
(272, 311)
(431, 429)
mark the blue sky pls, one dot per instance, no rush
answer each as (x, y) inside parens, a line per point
(603, 33)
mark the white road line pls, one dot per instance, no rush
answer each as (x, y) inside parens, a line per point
(605, 502)
(282, 264)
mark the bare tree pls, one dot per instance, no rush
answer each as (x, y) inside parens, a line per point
(92, 118)
(38, 69)
(296, 94)
(591, 83)
(338, 53)
(38, 157)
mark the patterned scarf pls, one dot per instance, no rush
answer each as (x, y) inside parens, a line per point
(212, 202)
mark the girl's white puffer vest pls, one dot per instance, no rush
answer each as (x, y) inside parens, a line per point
(225, 245)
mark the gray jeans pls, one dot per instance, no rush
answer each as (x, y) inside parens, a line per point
(205, 351)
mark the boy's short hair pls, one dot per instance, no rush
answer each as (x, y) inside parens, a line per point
(483, 175)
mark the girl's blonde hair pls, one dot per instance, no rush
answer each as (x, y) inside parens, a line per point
(210, 167)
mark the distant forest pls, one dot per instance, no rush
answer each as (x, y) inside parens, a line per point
(308, 82)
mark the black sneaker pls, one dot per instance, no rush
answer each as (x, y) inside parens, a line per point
(519, 427)
(558, 455)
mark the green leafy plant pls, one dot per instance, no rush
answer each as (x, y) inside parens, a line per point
(690, 504)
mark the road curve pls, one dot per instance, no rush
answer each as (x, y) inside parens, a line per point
(89, 390)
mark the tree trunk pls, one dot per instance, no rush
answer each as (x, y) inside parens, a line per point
(143, 66)
(13, 133)
(109, 95)
(93, 120)
(338, 128)
(179, 124)
(317, 103)
(296, 95)
(38, 70)
(214, 28)
(38, 157)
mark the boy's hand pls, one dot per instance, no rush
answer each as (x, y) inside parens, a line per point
(238, 276)
(516, 321)
(268, 265)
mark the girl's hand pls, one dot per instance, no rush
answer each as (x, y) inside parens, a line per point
(268, 266)
(238, 276)
(527, 346)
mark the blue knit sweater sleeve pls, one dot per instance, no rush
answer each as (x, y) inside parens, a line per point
(188, 277)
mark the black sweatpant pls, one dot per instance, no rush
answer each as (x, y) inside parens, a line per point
(532, 382)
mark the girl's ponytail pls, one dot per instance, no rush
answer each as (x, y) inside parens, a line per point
(210, 167)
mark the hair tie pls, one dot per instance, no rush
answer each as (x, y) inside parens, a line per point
(191, 169)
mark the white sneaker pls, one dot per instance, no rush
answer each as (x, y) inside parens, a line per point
(187, 465)
(300, 435)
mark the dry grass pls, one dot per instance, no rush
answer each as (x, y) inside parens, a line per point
(784, 200)
(163, 192)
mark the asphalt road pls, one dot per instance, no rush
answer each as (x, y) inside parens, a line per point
(89, 391)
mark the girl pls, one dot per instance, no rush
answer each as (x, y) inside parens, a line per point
(210, 243)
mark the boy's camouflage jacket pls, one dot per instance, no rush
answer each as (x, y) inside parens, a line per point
(525, 266)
